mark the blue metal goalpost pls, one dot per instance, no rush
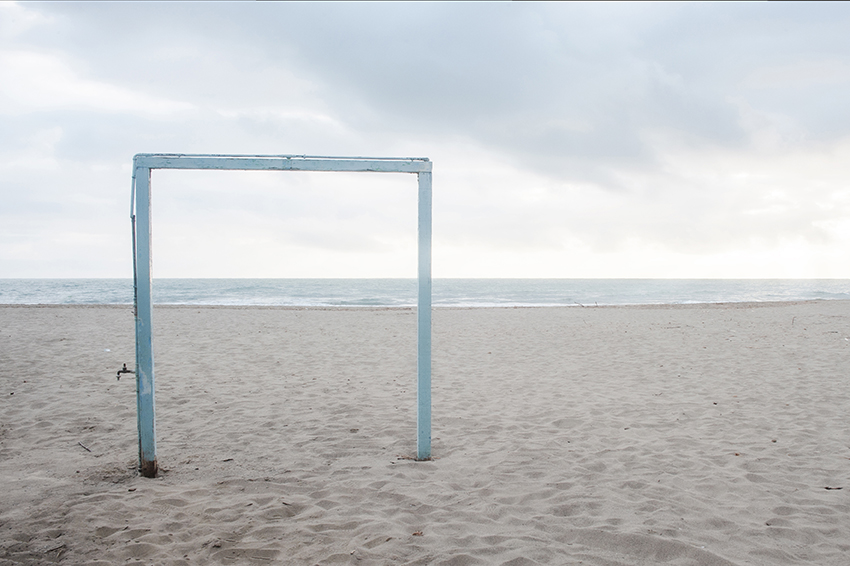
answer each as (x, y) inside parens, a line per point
(140, 215)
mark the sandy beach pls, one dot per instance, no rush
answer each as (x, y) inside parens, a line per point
(677, 435)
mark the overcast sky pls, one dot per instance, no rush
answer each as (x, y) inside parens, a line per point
(568, 140)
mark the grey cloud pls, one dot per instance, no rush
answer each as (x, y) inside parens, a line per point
(568, 89)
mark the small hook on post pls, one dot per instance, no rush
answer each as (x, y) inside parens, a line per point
(123, 370)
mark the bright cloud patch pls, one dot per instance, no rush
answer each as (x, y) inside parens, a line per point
(35, 81)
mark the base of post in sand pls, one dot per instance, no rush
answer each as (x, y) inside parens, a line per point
(148, 469)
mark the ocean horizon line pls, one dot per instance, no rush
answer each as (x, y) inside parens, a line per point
(402, 292)
(450, 278)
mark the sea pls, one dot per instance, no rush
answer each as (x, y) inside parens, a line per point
(402, 292)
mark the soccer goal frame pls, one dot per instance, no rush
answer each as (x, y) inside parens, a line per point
(140, 215)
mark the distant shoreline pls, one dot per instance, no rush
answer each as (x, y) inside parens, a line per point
(726, 304)
(365, 293)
